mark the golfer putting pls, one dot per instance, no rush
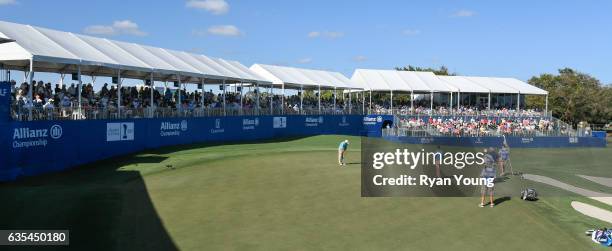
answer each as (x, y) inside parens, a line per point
(341, 150)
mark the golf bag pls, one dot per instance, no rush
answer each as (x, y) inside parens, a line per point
(529, 194)
(601, 236)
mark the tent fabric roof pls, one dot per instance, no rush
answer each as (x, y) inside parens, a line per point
(60, 48)
(295, 77)
(387, 80)
(392, 80)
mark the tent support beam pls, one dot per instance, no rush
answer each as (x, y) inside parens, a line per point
(152, 86)
(391, 103)
(350, 102)
(31, 89)
(411, 101)
(283, 99)
(518, 102)
(431, 97)
(180, 103)
(224, 87)
(335, 93)
(119, 93)
(363, 102)
(370, 101)
(301, 99)
(319, 98)
(546, 106)
(451, 102)
(489, 102)
(80, 90)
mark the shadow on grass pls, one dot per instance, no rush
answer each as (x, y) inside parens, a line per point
(104, 208)
(501, 200)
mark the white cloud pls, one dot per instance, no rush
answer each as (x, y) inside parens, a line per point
(121, 27)
(223, 30)
(360, 58)
(463, 13)
(305, 60)
(216, 7)
(7, 2)
(326, 34)
(411, 32)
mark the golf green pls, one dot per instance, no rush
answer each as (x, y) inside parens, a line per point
(288, 195)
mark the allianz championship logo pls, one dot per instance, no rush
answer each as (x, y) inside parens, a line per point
(343, 122)
(26, 137)
(250, 124)
(172, 128)
(372, 120)
(313, 121)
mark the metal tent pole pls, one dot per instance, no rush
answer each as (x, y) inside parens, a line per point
(363, 102)
(431, 103)
(518, 104)
(241, 104)
(224, 87)
(202, 94)
(411, 101)
(489, 104)
(350, 101)
(301, 99)
(271, 97)
(257, 96)
(283, 99)
(180, 103)
(152, 86)
(319, 98)
(370, 101)
(80, 89)
(31, 89)
(546, 106)
(391, 102)
(458, 100)
(451, 102)
(119, 93)
(335, 94)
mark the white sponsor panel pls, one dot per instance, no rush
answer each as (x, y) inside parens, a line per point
(217, 128)
(250, 124)
(3, 92)
(279, 122)
(172, 128)
(573, 140)
(313, 121)
(526, 140)
(25, 137)
(120, 131)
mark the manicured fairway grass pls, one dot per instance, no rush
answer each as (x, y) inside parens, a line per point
(286, 195)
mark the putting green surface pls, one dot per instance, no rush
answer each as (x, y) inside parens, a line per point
(288, 195)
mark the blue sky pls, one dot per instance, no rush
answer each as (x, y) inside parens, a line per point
(487, 38)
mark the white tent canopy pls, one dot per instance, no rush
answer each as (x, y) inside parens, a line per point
(62, 52)
(407, 81)
(299, 77)
(463, 84)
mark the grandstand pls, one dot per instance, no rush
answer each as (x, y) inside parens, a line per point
(247, 103)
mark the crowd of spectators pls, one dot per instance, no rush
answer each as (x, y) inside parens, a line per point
(481, 125)
(64, 98)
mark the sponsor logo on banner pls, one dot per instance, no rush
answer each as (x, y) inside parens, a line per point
(3, 92)
(172, 129)
(313, 121)
(279, 122)
(427, 140)
(526, 140)
(371, 120)
(218, 128)
(573, 140)
(250, 124)
(120, 131)
(25, 137)
(343, 122)
(478, 140)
